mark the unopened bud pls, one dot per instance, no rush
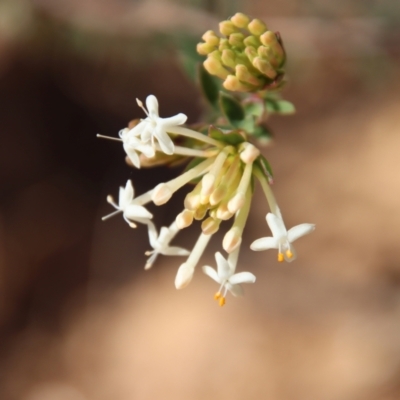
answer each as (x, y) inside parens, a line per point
(233, 84)
(214, 67)
(257, 27)
(211, 38)
(192, 200)
(184, 219)
(236, 40)
(205, 48)
(236, 202)
(161, 194)
(217, 195)
(210, 226)
(270, 39)
(251, 41)
(184, 276)
(240, 20)
(251, 53)
(245, 76)
(223, 212)
(249, 154)
(232, 240)
(228, 58)
(227, 28)
(207, 184)
(200, 213)
(265, 67)
(223, 44)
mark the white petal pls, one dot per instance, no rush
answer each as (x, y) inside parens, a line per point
(152, 105)
(224, 271)
(125, 195)
(175, 251)
(147, 150)
(134, 211)
(133, 156)
(264, 243)
(212, 273)
(299, 230)
(152, 234)
(165, 142)
(236, 290)
(276, 225)
(177, 119)
(242, 277)
(163, 236)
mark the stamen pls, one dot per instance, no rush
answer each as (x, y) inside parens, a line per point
(280, 257)
(217, 295)
(111, 215)
(109, 138)
(289, 254)
(140, 104)
(221, 301)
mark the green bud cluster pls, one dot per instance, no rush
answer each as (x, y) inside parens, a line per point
(249, 58)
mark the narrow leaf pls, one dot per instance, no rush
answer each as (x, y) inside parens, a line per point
(231, 108)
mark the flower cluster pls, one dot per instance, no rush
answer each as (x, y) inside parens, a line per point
(248, 58)
(222, 166)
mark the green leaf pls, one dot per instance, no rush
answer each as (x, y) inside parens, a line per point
(230, 137)
(262, 132)
(232, 109)
(209, 85)
(196, 161)
(280, 106)
(254, 108)
(186, 45)
(265, 166)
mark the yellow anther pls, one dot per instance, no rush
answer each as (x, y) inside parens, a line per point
(221, 301)
(217, 296)
(289, 254)
(280, 257)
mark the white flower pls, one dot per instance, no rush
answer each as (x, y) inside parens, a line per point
(130, 210)
(281, 239)
(133, 144)
(226, 277)
(160, 244)
(154, 127)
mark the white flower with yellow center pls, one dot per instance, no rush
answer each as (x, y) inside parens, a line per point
(281, 239)
(160, 244)
(226, 277)
(130, 210)
(154, 127)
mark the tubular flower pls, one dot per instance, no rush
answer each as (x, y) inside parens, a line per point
(281, 239)
(226, 277)
(154, 127)
(160, 244)
(130, 210)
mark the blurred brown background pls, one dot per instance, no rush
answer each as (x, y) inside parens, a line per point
(81, 320)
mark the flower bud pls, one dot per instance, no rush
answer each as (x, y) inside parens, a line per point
(249, 154)
(265, 67)
(245, 76)
(236, 202)
(184, 276)
(227, 28)
(236, 40)
(228, 58)
(233, 84)
(240, 20)
(214, 67)
(257, 27)
(184, 219)
(211, 38)
(200, 213)
(161, 194)
(210, 226)
(232, 240)
(205, 48)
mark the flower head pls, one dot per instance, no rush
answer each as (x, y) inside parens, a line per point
(226, 277)
(132, 145)
(154, 127)
(281, 239)
(131, 211)
(160, 244)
